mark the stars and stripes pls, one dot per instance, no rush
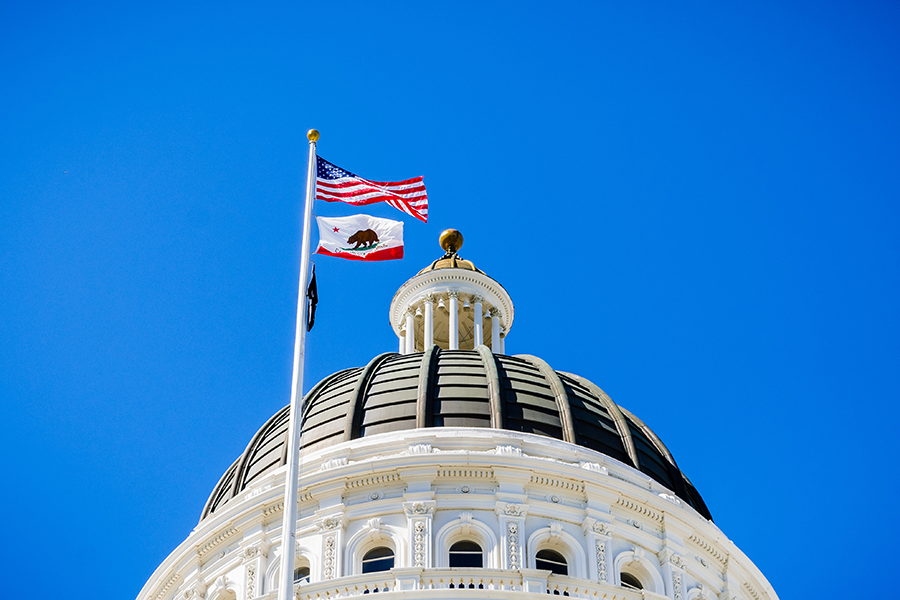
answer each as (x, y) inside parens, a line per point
(334, 184)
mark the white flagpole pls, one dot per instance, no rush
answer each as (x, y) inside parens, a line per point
(289, 524)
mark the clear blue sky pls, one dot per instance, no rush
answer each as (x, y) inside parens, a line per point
(737, 165)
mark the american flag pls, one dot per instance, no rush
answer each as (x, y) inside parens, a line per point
(334, 184)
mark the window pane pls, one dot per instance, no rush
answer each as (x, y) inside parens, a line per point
(630, 580)
(378, 559)
(552, 561)
(466, 555)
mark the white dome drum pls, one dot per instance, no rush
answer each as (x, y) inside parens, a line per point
(452, 470)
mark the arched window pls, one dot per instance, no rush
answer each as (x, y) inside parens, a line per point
(551, 561)
(634, 570)
(378, 559)
(301, 574)
(466, 554)
(630, 581)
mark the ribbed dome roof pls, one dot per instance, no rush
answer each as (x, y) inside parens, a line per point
(458, 388)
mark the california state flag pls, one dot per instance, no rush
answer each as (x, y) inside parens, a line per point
(360, 237)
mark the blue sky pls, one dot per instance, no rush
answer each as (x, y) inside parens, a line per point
(737, 167)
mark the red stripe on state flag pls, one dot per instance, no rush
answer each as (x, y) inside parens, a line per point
(386, 254)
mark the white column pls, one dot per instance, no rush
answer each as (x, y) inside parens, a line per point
(454, 320)
(479, 321)
(410, 331)
(429, 321)
(496, 344)
(402, 339)
(502, 343)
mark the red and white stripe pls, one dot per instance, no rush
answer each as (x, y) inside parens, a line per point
(408, 196)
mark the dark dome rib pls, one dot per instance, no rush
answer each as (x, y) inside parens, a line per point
(459, 388)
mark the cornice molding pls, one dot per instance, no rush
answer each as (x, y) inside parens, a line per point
(385, 479)
(168, 585)
(201, 552)
(273, 509)
(708, 547)
(463, 473)
(555, 482)
(639, 508)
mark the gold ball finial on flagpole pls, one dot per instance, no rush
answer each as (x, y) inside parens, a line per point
(451, 240)
(313, 135)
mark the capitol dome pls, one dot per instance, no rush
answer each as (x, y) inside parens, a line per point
(450, 468)
(458, 388)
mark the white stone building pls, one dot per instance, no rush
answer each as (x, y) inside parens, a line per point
(451, 470)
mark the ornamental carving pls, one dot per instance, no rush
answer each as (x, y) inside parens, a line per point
(419, 544)
(667, 556)
(257, 491)
(333, 463)
(374, 523)
(508, 451)
(419, 449)
(196, 592)
(329, 556)
(601, 561)
(592, 466)
(330, 523)
(250, 552)
(419, 508)
(512, 539)
(676, 586)
(513, 510)
(251, 582)
(601, 528)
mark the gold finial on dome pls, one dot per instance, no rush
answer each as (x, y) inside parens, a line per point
(451, 240)
(313, 135)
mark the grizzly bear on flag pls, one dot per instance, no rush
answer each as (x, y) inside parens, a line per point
(363, 238)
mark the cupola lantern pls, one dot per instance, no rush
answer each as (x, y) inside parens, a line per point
(451, 304)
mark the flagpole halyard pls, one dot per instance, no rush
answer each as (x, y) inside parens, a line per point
(289, 523)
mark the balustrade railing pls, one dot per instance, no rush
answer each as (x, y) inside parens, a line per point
(434, 583)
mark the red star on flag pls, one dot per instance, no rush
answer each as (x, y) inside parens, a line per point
(336, 229)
